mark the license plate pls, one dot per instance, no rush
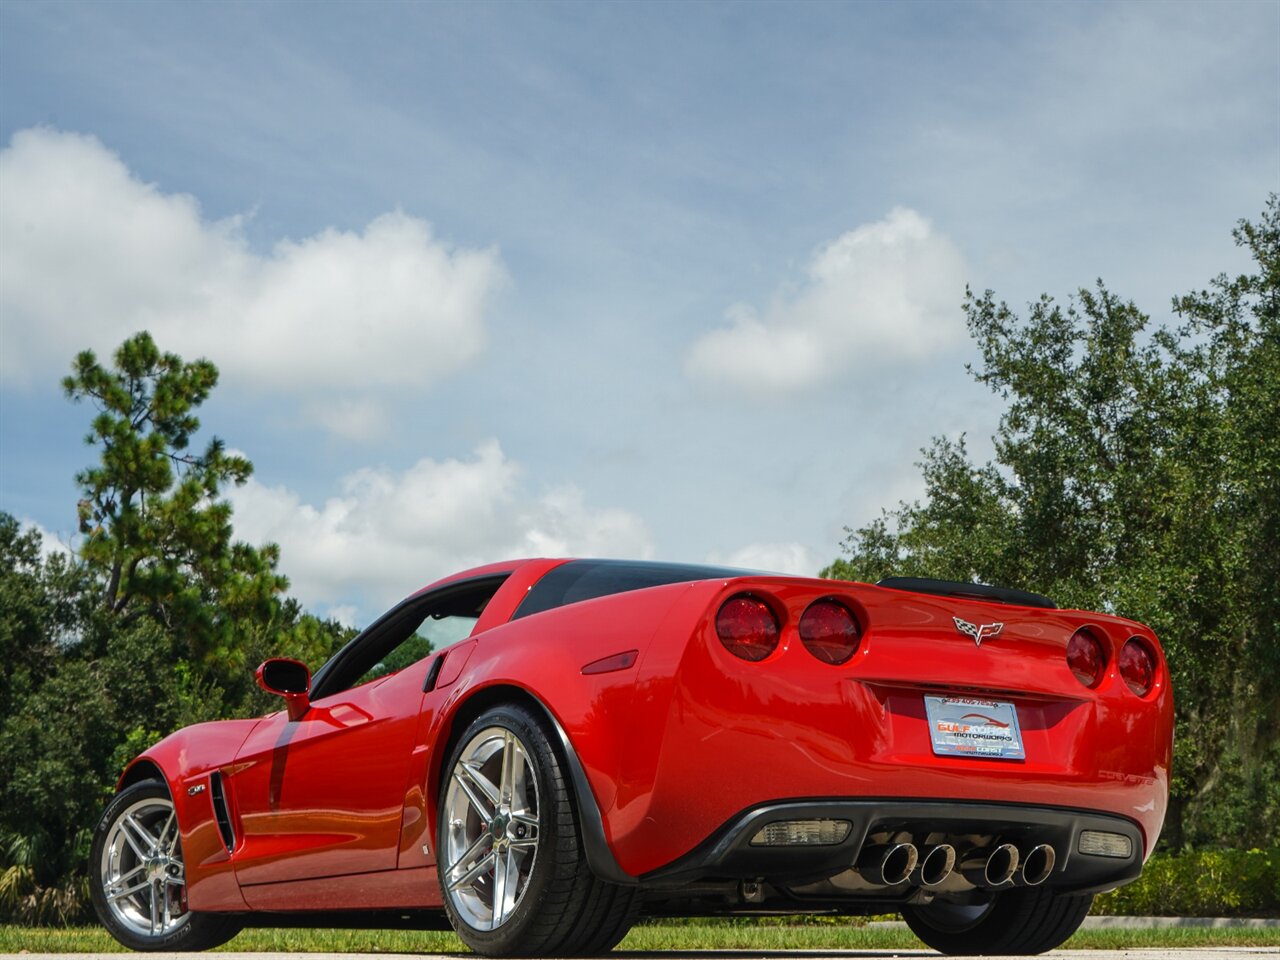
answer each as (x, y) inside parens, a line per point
(960, 727)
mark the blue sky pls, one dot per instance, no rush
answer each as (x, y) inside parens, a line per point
(670, 280)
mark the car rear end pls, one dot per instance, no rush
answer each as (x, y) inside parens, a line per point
(826, 743)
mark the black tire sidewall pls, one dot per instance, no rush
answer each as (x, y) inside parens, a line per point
(1026, 920)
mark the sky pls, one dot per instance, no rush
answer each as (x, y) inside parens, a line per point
(662, 280)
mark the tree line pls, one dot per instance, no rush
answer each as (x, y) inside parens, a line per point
(155, 622)
(1136, 471)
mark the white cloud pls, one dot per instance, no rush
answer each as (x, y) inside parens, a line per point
(91, 254)
(387, 532)
(360, 418)
(560, 524)
(50, 543)
(792, 558)
(345, 613)
(889, 290)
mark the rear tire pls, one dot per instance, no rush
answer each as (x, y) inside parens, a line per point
(137, 878)
(511, 862)
(1030, 920)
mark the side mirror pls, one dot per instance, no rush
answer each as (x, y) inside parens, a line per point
(289, 679)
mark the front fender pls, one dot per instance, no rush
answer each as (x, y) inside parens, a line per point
(187, 761)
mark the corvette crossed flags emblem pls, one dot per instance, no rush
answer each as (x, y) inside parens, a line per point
(984, 632)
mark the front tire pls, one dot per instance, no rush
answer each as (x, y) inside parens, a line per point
(1030, 920)
(510, 857)
(137, 877)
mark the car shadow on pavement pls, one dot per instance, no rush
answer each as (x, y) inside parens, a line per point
(728, 954)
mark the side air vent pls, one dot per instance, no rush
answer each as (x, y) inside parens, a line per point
(219, 799)
(968, 591)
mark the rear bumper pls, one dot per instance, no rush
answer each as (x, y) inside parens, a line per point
(729, 853)
(709, 735)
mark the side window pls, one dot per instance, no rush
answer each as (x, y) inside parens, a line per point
(436, 632)
(411, 651)
(406, 634)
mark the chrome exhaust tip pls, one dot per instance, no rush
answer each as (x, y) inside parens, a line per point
(887, 863)
(935, 866)
(990, 866)
(1037, 865)
(1001, 865)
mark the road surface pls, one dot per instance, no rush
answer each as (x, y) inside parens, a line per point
(1196, 953)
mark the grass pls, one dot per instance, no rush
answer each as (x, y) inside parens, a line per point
(655, 936)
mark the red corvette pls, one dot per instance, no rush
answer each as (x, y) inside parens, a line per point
(610, 739)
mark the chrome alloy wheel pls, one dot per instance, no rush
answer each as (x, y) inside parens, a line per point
(141, 872)
(491, 835)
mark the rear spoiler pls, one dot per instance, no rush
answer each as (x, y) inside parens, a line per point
(968, 591)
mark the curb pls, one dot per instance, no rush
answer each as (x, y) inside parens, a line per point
(1146, 923)
(1164, 923)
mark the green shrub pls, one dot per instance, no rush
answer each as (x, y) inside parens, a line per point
(1201, 883)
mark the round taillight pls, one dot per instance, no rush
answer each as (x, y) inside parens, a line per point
(829, 631)
(747, 628)
(1086, 658)
(1137, 666)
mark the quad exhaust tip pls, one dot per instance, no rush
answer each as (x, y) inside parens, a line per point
(888, 863)
(991, 866)
(935, 866)
(1037, 865)
(1001, 865)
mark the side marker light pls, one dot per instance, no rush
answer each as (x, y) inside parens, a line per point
(619, 661)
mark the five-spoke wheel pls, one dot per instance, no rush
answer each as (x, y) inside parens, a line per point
(141, 868)
(491, 837)
(139, 883)
(510, 855)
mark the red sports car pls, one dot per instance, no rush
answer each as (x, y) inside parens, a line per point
(605, 740)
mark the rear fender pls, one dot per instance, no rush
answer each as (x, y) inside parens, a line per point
(600, 858)
(540, 661)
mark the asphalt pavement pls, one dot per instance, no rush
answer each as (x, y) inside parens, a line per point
(1197, 953)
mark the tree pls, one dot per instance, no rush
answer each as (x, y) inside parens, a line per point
(42, 609)
(46, 744)
(155, 528)
(1137, 470)
(154, 626)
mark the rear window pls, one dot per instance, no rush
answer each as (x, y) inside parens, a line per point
(580, 580)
